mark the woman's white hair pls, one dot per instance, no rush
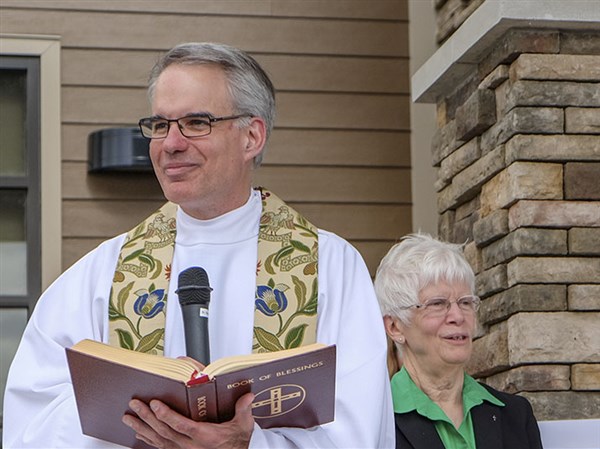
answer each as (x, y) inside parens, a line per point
(417, 261)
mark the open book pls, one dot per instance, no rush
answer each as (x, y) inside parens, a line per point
(293, 387)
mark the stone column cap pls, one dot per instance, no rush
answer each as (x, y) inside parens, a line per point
(466, 46)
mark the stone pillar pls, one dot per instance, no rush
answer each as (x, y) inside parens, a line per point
(518, 156)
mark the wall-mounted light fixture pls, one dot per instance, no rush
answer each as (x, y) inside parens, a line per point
(118, 150)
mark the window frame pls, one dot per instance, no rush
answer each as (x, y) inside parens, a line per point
(47, 50)
(29, 181)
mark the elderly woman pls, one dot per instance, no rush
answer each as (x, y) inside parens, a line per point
(425, 289)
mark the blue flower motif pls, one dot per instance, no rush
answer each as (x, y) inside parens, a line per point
(148, 305)
(270, 301)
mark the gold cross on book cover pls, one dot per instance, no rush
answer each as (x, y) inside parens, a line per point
(292, 388)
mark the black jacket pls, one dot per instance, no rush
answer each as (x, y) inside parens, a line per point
(510, 427)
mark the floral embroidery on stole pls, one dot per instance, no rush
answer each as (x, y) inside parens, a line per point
(286, 281)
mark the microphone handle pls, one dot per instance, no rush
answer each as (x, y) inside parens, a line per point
(195, 324)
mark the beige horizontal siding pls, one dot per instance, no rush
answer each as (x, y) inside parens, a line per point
(373, 252)
(93, 67)
(78, 184)
(352, 9)
(263, 34)
(74, 249)
(339, 147)
(333, 184)
(340, 151)
(104, 219)
(360, 222)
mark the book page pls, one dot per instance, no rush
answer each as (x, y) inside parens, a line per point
(234, 363)
(178, 369)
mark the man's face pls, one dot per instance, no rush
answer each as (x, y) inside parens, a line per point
(209, 175)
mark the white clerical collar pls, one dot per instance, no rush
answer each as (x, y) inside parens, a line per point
(235, 226)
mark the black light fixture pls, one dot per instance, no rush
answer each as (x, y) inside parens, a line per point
(118, 150)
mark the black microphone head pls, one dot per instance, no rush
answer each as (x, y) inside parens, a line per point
(193, 286)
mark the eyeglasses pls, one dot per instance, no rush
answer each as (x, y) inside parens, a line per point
(441, 306)
(193, 125)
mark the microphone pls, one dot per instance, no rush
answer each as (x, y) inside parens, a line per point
(194, 295)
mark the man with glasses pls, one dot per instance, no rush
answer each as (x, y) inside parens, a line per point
(277, 281)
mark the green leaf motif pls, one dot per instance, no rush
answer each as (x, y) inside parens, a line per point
(122, 298)
(269, 264)
(158, 269)
(311, 307)
(300, 290)
(271, 283)
(300, 246)
(150, 341)
(113, 313)
(295, 336)
(267, 340)
(125, 339)
(148, 260)
(283, 252)
(133, 255)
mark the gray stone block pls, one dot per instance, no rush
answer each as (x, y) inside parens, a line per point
(560, 67)
(551, 405)
(554, 337)
(554, 214)
(553, 270)
(532, 378)
(476, 115)
(492, 227)
(557, 148)
(582, 180)
(523, 298)
(525, 242)
(491, 281)
(583, 120)
(584, 297)
(523, 120)
(522, 180)
(584, 242)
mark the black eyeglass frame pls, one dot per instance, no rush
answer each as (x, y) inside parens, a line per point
(209, 121)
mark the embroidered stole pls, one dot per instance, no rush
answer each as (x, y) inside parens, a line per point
(286, 281)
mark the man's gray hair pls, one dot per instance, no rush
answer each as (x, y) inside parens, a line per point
(417, 261)
(251, 90)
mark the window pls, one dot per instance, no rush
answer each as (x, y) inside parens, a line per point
(19, 181)
(30, 238)
(20, 274)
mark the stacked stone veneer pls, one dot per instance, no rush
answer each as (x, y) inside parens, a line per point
(450, 14)
(518, 157)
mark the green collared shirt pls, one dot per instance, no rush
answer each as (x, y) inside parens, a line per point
(408, 397)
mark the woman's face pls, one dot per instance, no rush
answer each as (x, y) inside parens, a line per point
(437, 341)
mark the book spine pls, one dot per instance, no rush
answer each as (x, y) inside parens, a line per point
(202, 402)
